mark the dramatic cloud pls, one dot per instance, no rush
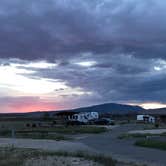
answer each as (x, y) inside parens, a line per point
(83, 52)
(64, 28)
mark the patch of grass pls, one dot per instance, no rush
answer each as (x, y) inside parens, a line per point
(68, 130)
(9, 157)
(59, 129)
(17, 157)
(104, 160)
(5, 133)
(42, 136)
(151, 144)
(79, 129)
(34, 135)
(139, 135)
(126, 136)
(55, 133)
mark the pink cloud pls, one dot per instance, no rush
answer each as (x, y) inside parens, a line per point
(27, 104)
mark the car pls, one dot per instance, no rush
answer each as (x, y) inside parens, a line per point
(111, 122)
(104, 121)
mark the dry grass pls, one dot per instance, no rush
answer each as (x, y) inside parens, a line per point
(139, 135)
(11, 156)
(151, 144)
(59, 161)
(52, 133)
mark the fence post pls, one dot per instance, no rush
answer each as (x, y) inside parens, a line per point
(13, 133)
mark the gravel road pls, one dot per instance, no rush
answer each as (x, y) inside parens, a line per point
(107, 143)
(45, 144)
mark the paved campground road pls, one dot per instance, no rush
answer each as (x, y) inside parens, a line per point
(109, 144)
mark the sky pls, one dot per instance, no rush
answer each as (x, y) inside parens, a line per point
(61, 54)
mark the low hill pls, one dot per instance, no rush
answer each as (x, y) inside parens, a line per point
(111, 108)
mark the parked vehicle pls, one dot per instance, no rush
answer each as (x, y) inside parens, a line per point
(104, 121)
(83, 117)
(145, 118)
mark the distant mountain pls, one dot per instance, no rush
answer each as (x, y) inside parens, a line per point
(110, 108)
(113, 108)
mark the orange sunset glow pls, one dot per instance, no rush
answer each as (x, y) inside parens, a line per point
(18, 107)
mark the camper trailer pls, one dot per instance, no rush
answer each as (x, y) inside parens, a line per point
(71, 117)
(145, 118)
(84, 117)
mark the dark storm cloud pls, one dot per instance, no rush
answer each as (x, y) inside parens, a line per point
(125, 79)
(64, 28)
(126, 39)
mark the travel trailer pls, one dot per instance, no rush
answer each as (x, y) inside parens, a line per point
(146, 118)
(84, 116)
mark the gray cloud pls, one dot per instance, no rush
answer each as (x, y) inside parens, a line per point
(57, 28)
(123, 79)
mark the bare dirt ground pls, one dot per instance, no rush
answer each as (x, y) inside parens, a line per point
(50, 145)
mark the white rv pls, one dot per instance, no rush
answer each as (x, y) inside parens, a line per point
(84, 116)
(146, 118)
